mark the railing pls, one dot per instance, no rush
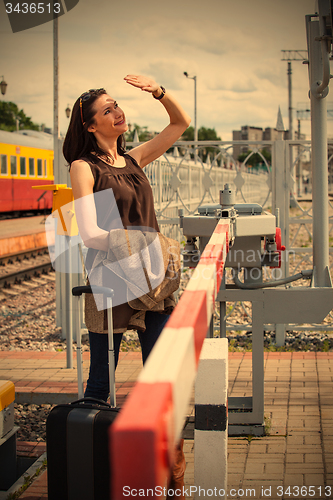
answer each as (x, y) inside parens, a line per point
(180, 182)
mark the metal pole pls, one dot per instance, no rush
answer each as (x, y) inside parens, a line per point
(195, 117)
(59, 321)
(55, 99)
(112, 364)
(280, 205)
(79, 359)
(289, 73)
(194, 78)
(69, 298)
(317, 60)
(291, 156)
(299, 161)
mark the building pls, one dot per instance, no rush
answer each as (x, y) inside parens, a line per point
(248, 133)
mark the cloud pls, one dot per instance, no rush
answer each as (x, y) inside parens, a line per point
(234, 49)
(243, 85)
(169, 72)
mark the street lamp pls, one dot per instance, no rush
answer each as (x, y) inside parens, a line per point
(195, 110)
(3, 86)
(68, 111)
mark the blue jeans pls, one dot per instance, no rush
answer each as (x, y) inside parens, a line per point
(98, 381)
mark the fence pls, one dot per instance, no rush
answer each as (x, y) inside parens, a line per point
(282, 186)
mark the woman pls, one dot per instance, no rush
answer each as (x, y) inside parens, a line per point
(94, 149)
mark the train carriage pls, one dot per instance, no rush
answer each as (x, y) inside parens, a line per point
(26, 160)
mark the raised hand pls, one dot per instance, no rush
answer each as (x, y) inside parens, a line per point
(142, 82)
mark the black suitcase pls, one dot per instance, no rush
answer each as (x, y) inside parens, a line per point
(78, 438)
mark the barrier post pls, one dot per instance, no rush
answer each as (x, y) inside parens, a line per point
(211, 418)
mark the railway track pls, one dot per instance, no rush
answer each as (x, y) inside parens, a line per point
(24, 254)
(23, 266)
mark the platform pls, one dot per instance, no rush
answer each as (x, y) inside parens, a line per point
(22, 234)
(298, 407)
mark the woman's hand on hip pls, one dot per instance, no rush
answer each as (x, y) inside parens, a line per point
(142, 82)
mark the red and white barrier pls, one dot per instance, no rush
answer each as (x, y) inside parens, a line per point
(144, 436)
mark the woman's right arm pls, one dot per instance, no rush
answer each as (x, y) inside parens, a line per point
(85, 210)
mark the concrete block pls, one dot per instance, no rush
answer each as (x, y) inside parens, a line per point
(210, 462)
(212, 378)
(211, 420)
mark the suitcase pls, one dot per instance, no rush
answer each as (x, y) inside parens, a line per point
(77, 435)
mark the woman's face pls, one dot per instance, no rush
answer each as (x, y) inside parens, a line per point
(109, 119)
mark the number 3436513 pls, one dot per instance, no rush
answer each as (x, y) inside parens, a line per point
(32, 8)
(304, 491)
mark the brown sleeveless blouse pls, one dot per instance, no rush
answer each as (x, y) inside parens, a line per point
(133, 201)
(132, 192)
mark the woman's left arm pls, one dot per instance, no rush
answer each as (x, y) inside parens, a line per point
(179, 121)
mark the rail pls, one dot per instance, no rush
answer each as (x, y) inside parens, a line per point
(22, 266)
(144, 436)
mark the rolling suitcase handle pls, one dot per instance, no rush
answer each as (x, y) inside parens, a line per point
(77, 292)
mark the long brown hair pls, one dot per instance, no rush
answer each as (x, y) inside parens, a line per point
(79, 143)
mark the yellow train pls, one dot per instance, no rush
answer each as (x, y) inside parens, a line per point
(26, 160)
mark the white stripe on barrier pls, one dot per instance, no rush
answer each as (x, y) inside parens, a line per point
(217, 239)
(176, 348)
(204, 278)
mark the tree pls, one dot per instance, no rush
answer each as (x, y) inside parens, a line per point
(143, 133)
(10, 113)
(204, 134)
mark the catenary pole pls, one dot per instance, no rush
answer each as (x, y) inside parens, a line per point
(318, 80)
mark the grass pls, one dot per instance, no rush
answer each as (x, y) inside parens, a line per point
(326, 346)
(268, 425)
(27, 481)
(271, 347)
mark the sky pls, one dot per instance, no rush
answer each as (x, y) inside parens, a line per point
(233, 47)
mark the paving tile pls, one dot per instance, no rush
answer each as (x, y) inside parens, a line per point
(273, 458)
(276, 448)
(305, 468)
(261, 477)
(254, 468)
(293, 479)
(236, 459)
(295, 458)
(295, 439)
(312, 439)
(257, 448)
(274, 468)
(291, 395)
(305, 449)
(314, 479)
(311, 458)
(234, 480)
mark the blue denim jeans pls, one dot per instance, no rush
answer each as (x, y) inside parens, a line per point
(98, 381)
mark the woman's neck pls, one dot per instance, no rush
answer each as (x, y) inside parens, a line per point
(108, 149)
